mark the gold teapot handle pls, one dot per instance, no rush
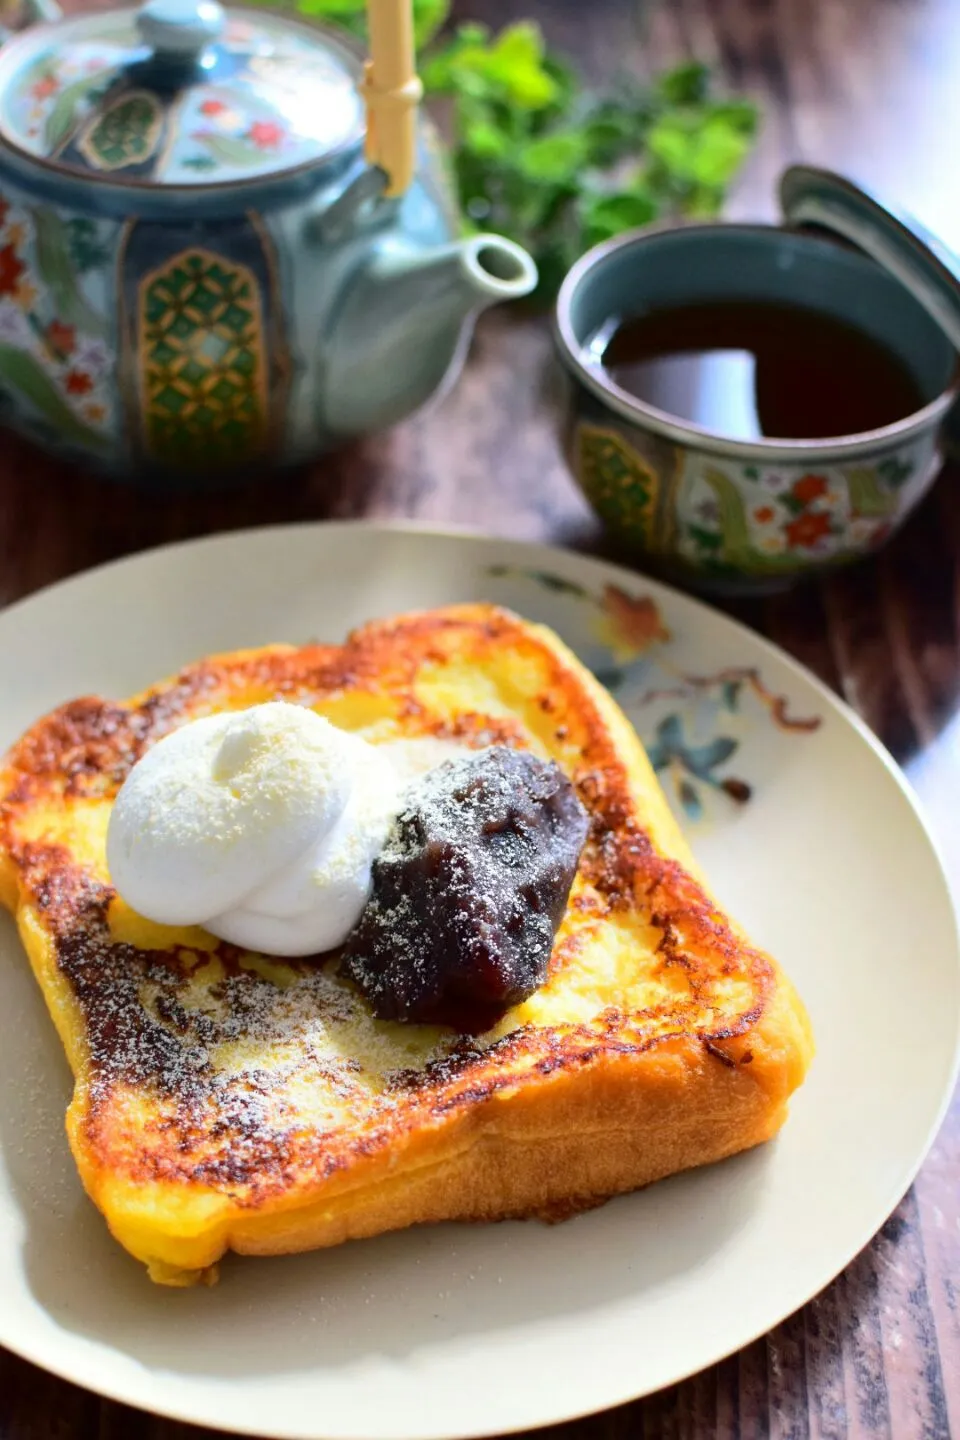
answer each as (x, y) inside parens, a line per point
(392, 91)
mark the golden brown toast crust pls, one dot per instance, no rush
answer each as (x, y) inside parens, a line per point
(538, 1116)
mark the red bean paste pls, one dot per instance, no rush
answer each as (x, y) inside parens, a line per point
(469, 891)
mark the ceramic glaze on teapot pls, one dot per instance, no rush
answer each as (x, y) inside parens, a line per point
(200, 270)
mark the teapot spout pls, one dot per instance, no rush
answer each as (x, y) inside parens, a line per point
(496, 269)
(402, 332)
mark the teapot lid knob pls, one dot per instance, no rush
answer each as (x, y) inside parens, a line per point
(180, 29)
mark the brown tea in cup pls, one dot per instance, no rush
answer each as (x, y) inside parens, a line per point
(757, 369)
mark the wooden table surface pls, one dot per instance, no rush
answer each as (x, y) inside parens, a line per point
(872, 86)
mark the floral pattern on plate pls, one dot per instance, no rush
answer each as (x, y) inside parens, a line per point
(693, 725)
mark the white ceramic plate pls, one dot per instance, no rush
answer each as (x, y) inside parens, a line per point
(462, 1331)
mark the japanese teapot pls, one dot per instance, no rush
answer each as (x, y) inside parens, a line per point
(224, 245)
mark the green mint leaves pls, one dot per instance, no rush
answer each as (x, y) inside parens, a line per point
(553, 166)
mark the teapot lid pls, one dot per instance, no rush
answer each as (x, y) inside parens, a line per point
(179, 93)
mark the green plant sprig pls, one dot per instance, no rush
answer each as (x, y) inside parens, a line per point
(542, 160)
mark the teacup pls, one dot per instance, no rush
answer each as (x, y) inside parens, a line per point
(730, 514)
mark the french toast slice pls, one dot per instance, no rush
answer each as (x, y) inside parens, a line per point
(230, 1101)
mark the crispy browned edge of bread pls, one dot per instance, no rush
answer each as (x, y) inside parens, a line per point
(587, 1127)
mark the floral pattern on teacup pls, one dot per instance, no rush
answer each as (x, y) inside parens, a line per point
(751, 519)
(737, 519)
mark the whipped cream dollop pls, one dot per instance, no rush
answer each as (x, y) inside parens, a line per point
(262, 825)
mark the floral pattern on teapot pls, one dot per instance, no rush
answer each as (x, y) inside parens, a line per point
(79, 106)
(55, 336)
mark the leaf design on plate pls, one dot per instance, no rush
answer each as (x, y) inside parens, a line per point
(702, 760)
(730, 695)
(670, 751)
(670, 733)
(558, 584)
(668, 743)
(690, 799)
(612, 678)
